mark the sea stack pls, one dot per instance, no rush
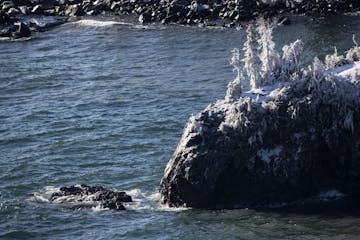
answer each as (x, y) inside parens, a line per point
(295, 134)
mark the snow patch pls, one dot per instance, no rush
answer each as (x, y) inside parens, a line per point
(348, 71)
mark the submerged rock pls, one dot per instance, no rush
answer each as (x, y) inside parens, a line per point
(84, 196)
(274, 144)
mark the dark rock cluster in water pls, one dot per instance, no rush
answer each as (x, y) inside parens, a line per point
(84, 196)
(277, 144)
(204, 12)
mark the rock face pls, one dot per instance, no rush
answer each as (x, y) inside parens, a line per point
(84, 196)
(275, 144)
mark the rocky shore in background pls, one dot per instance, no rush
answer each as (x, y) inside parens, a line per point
(227, 13)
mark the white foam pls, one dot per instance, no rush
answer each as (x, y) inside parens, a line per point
(44, 195)
(16, 39)
(148, 202)
(98, 23)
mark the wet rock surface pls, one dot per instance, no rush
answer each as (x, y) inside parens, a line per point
(226, 13)
(84, 196)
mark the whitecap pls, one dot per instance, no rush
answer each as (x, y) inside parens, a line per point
(44, 195)
(149, 201)
(98, 23)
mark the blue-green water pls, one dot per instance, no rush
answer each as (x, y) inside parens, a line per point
(106, 105)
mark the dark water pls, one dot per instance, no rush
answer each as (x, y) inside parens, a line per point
(94, 104)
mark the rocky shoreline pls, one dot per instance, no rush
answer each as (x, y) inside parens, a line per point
(226, 13)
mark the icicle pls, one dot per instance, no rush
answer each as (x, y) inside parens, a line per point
(269, 57)
(291, 57)
(252, 60)
(234, 89)
(354, 41)
(318, 69)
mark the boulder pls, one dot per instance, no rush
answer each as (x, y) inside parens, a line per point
(4, 17)
(24, 10)
(22, 30)
(145, 17)
(74, 10)
(22, 2)
(6, 5)
(13, 11)
(38, 9)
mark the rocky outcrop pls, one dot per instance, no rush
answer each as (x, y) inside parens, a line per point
(84, 196)
(275, 144)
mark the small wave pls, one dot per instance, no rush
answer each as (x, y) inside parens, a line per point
(44, 195)
(98, 23)
(149, 201)
(15, 39)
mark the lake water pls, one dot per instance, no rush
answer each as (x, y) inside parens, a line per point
(104, 103)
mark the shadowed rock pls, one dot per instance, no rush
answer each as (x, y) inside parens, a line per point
(22, 30)
(84, 196)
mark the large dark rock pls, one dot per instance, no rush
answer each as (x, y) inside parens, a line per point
(44, 26)
(6, 5)
(22, 2)
(74, 10)
(294, 142)
(4, 17)
(84, 196)
(38, 9)
(22, 30)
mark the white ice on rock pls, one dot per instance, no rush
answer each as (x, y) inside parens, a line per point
(267, 155)
(268, 75)
(350, 72)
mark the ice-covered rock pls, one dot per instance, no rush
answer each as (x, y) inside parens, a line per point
(279, 143)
